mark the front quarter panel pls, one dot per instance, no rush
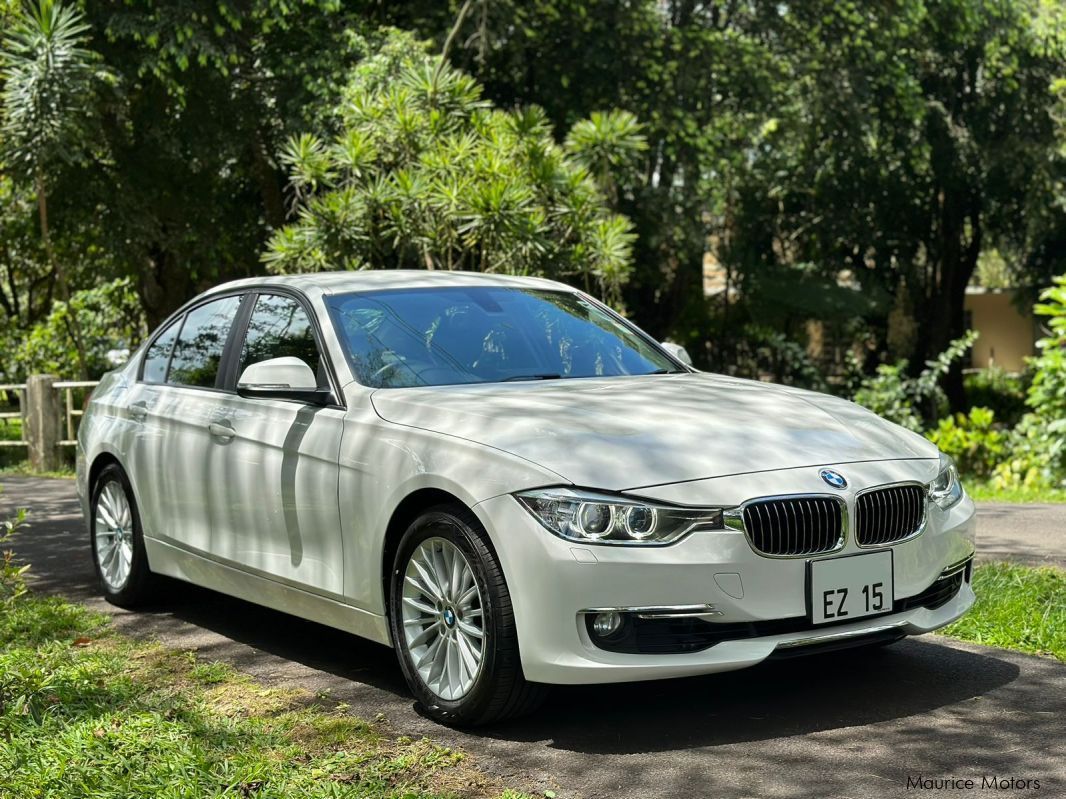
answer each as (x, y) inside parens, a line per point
(382, 463)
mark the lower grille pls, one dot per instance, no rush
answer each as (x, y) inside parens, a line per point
(942, 590)
(794, 525)
(887, 515)
(670, 636)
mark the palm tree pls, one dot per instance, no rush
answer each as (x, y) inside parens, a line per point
(47, 76)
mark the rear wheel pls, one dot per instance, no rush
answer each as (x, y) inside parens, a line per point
(117, 542)
(452, 623)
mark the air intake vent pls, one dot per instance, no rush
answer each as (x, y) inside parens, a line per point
(794, 525)
(887, 515)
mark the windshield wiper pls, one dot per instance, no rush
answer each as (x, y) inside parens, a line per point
(545, 376)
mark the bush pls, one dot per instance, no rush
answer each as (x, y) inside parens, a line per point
(110, 317)
(906, 400)
(12, 577)
(1000, 391)
(1047, 395)
(973, 440)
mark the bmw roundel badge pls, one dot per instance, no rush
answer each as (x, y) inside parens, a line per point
(833, 478)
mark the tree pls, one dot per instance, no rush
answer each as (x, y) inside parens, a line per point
(49, 81)
(425, 173)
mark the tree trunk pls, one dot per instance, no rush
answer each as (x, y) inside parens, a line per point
(60, 273)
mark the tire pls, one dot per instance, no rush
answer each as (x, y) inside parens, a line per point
(496, 689)
(134, 584)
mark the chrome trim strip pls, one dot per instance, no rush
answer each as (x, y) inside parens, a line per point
(900, 484)
(823, 638)
(733, 519)
(660, 611)
(954, 569)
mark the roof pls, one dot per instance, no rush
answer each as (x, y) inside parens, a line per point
(375, 279)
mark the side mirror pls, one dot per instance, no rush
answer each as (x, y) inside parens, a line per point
(282, 378)
(679, 352)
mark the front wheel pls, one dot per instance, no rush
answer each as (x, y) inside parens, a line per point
(452, 623)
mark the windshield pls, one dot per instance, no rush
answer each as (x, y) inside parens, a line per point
(486, 334)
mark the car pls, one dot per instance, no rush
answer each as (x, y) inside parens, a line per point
(511, 485)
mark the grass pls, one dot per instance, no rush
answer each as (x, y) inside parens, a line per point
(983, 492)
(85, 711)
(22, 469)
(1018, 607)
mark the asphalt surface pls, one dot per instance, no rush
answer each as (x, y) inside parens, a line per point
(843, 725)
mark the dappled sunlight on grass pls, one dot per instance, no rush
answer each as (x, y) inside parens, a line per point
(81, 705)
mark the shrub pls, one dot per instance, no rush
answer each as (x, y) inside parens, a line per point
(905, 400)
(12, 577)
(110, 317)
(973, 440)
(1000, 391)
(1047, 395)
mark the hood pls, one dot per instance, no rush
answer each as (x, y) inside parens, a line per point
(632, 432)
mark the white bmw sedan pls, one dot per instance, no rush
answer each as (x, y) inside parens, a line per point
(511, 485)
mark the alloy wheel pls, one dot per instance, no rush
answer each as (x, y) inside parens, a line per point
(443, 618)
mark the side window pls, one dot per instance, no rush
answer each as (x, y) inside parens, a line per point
(279, 327)
(198, 351)
(155, 360)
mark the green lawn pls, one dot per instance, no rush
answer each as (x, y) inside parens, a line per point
(1018, 607)
(983, 492)
(85, 711)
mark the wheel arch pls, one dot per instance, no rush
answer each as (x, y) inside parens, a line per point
(405, 512)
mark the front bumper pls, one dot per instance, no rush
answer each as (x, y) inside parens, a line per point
(551, 581)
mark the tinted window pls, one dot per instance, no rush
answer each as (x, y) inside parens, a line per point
(155, 360)
(417, 337)
(279, 327)
(198, 350)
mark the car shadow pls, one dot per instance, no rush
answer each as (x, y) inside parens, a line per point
(775, 699)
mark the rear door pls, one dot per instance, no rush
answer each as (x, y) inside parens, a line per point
(186, 474)
(281, 514)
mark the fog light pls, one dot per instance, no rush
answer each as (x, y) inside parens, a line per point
(605, 624)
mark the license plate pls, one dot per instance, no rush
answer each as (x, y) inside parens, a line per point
(842, 589)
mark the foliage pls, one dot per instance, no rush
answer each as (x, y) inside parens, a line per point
(46, 115)
(49, 82)
(83, 706)
(1036, 456)
(1018, 607)
(973, 440)
(425, 173)
(12, 577)
(1047, 395)
(766, 353)
(893, 394)
(111, 318)
(1000, 391)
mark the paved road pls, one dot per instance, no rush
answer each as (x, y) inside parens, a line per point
(853, 725)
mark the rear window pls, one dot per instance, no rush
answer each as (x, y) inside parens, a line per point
(198, 351)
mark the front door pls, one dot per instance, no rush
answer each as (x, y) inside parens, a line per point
(277, 462)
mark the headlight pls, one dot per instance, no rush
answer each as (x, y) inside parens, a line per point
(946, 490)
(593, 518)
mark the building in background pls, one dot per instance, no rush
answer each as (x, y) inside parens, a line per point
(1008, 330)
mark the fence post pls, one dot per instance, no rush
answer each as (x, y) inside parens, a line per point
(42, 423)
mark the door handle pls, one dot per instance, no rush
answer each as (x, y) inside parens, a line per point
(139, 411)
(223, 431)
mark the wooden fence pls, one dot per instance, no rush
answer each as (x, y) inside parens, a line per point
(48, 418)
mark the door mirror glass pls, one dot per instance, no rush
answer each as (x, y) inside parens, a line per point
(679, 352)
(282, 378)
